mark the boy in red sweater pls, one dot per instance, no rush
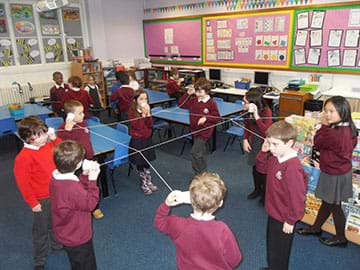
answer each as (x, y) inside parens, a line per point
(173, 86)
(57, 93)
(76, 129)
(204, 115)
(72, 200)
(123, 95)
(32, 169)
(286, 184)
(76, 93)
(201, 241)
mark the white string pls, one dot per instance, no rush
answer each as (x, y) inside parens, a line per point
(250, 131)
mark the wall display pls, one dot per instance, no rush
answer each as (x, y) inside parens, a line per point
(248, 40)
(23, 20)
(73, 46)
(72, 22)
(53, 50)
(49, 23)
(6, 51)
(327, 38)
(28, 50)
(177, 40)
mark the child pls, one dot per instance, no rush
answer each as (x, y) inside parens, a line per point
(72, 200)
(204, 115)
(57, 93)
(335, 140)
(140, 120)
(78, 94)
(259, 121)
(76, 129)
(133, 83)
(32, 169)
(286, 184)
(174, 84)
(93, 89)
(124, 95)
(201, 241)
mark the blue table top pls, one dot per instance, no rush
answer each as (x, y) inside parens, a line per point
(182, 116)
(156, 97)
(103, 138)
(29, 109)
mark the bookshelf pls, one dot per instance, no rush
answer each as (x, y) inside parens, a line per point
(83, 70)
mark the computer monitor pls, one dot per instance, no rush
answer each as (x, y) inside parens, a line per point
(215, 74)
(261, 78)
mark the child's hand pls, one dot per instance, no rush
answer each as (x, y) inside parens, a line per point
(37, 208)
(94, 171)
(146, 109)
(191, 90)
(287, 228)
(323, 119)
(266, 146)
(173, 198)
(69, 124)
(51, 134)
(246, 146)
(201, 121)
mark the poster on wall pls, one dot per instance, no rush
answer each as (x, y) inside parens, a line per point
(73, 46)
(72, 22)
(3, 25)
(53, 50)
(28, 50)
(6, 53)
(49, 23)
(23, 20)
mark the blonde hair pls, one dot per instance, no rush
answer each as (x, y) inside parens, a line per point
(207, 190)
(282, 130)
(70, 105)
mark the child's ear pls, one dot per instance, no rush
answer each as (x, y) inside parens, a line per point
(290, 143)
(221, 203)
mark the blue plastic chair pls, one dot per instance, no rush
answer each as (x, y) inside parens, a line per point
(43, 116)
(122, 128)
(7, 126)
(235, 132)
(54, 122)
(217, 99)
(159, 125)
(187, 138)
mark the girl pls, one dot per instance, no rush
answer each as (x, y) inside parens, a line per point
(173, 86)
(336, 139)
(140, 120)
(133, 83)
(259, 121)
(93, 89)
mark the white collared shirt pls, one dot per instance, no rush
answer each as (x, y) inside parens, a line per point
(204, 99)
(32, 147)
(65, 176)
(204, 217)
(75, 89)
(58, 86)
(292, 154)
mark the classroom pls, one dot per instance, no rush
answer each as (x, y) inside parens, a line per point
(179, 134)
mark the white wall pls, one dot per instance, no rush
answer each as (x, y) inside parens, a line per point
(337, 83)
(116, 29)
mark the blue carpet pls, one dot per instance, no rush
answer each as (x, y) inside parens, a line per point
(126, 239)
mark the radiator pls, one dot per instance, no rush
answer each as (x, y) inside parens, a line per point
(14, 94)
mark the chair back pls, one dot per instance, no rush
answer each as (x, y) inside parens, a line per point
(94, 118)
(217, 99)
(54, 122)
(122, 128)
(121, 155)
(7, 126)
(43, 116)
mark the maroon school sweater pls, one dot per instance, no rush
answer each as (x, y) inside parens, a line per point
(286, 184)
(141, 128)
(262, 124)
(336, 146)
(172, 87)
(81, 134)
(56, 96)
(197, 110)
(124, 96)
(82, 96)
(72, 201)
(200, 245)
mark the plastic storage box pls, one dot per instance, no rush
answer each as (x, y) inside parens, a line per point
(242, 85)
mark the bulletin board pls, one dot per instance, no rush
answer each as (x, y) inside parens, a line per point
(248, 40)
(327, 39)
(173, 40)
(6, 50)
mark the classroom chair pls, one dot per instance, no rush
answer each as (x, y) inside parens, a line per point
(217, 99)
(122, 128)
(187, 138)
(159, 125)
(43, 116)
(235, 132)
(7, 128)
(54, 122)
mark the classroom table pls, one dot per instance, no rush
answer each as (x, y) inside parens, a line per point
(241, 92)
(29, 109)
(181, 116)
(104, 140)
(157, 97)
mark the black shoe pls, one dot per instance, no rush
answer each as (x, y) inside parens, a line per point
(308, 231)
(39, 267)
(254, 194)
(333, 241)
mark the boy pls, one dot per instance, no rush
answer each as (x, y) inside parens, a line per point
(57, 93)
(76, 129)
(174, 84)
(76, 93)
(72, 200)
(204, 115)
(286, 184)
(201, 241)
(32, 169)
(123, 95)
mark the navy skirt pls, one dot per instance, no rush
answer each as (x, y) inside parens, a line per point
(140, 144)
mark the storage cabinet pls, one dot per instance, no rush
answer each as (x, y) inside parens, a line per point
(83, 70)
(292, 102)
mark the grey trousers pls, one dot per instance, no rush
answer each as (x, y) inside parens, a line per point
(42, 233)
(199, 152)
